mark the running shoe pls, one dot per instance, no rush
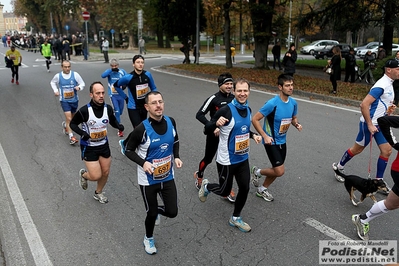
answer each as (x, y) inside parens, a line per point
(73, 140)
(203, 192)
(265, 194)
(231, 197)
(149, 245)
(158, 220)
(82, 180)
(16, 82)
(100, 197)
(198, 180)
(361, 228)
(339, 178)
(120, 134)
(254, 176)
(123, 148)
(64, 128)
(12, 80)
(240, 224)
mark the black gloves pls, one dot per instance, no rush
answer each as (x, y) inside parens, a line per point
(121, 127)
(127, 100)
(396, 146)
(115, 69)
(85, 136)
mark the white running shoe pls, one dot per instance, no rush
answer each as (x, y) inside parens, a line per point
(339, 178)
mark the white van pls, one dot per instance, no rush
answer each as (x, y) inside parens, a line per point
(317, 45)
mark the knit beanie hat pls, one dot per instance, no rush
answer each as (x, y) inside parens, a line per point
(223, 78)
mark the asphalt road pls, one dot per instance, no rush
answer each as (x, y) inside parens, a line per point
(47, 219)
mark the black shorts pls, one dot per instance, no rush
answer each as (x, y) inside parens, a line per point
(92, 154)
(276, 154)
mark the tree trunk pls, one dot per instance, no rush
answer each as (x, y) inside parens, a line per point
(131, 41)
(388, 26)
(262, 17)
(260, 54)
(226, 35)
(159, 34)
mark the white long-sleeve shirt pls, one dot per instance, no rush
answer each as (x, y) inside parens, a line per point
(55, 81)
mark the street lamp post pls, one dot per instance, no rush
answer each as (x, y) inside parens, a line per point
(197, 34)
(289, 25)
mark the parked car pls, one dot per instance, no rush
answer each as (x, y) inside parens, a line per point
(366, 46)
(317, 45)
(328, 53)
(374, 50)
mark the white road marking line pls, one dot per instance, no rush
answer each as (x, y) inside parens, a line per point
(157, 69)
(33, 238)
(326, 230)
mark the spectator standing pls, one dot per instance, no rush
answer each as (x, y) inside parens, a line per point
(335, 63)
(350, 64)
(142, 46)
(4, 40)
(105, 45)
(381, 53)
(58, 48)
(66, 47)
(233, 52)
(289, 60)
(276, 51)
(84, 48)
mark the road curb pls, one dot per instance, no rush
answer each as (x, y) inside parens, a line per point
(269, 88)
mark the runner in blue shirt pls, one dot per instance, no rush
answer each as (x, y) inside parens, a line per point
(117, 98)
(278, 113)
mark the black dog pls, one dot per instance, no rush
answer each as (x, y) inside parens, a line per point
(368, 187)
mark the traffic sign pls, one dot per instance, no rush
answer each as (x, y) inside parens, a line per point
(67, 27)
(112, 31)
(86, 15)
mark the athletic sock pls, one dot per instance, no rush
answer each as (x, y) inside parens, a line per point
(378, 209)
(261, 188)
(346, 158)
(70, 135)
(258, 172)
(381, 166)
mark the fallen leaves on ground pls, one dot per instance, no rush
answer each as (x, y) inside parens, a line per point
(352, 91)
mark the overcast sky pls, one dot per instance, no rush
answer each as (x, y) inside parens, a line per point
(7, 5)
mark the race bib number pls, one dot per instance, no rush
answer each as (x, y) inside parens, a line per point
(113, 90)
(242, 144)
(68, 94)
(162, 167)
(284, 126)
(98, 135)
(141, 91)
